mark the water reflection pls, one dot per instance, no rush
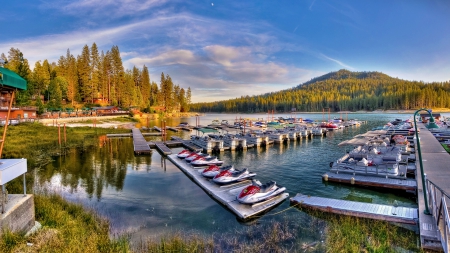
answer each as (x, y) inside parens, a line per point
(96, 168)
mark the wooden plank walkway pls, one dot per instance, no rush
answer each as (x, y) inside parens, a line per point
(409, 185)
(162, 148)
(140, 144)
(172, 128)
(131, 134)
(358, 209)
(226, 194)
(436, 165)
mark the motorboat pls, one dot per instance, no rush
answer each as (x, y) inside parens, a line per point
(213, 170)
(205, 161)
(257, 192)
(227, 176)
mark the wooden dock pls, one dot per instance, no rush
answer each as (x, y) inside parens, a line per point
(131, 135)
(409, 185)
(436, 166)
(140, 144)
(172, 128)
(162, 148)
(358, 209)
(226, 194)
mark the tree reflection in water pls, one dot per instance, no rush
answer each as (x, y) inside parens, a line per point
(95, 168)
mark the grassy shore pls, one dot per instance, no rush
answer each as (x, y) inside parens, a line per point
(69, 227)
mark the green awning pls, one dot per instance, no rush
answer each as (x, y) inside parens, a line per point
(11, 80)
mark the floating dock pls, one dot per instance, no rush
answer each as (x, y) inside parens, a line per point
(226, 194)
(139, 143)
(162, 148)
(131, 135)
(409, 185)
(358, 209)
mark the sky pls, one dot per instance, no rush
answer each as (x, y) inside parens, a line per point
(226, 48)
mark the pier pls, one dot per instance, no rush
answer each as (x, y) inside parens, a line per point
(406, 184)
(139, 143)
(434, 227)
(364, 210)
(226, 194)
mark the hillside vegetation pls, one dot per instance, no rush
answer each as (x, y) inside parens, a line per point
(341, 91)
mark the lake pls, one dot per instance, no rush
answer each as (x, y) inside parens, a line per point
(148, 196)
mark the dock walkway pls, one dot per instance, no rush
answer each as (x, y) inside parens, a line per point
(364, 210)
(139, 143)
(226, 194)
(409, 185)
(436, 166)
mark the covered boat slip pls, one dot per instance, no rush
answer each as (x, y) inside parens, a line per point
(364, 210)
(226, 194)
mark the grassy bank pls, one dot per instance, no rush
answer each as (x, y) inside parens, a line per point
(69, 227)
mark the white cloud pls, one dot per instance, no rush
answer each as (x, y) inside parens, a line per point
(338, 62)
(167, 58)
(105, 8)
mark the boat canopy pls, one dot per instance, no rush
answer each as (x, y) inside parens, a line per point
(10, 80)
(208, 130)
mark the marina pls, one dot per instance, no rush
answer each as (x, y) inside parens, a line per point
(299, 164)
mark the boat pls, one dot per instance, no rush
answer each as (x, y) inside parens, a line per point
(183, 154)
(191, 157)
(205, 161)
(258, 192)
(227, 176)
(213, 170)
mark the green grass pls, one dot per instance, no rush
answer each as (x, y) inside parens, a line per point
(352, 234)
(445, 146)
(66, 227)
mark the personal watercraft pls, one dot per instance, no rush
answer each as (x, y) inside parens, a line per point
(195, 156)
(227, 176)
(258, 192)
(183, 154)
(213, 170)
(205, 161)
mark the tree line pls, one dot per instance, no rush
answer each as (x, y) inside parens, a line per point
(91, 78)
(341, 91)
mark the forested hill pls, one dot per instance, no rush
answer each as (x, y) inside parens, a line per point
(341, 91)
(345, 74)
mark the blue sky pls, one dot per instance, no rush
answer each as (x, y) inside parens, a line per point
(226, 49)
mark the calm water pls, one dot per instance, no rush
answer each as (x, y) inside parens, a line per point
(149, 196)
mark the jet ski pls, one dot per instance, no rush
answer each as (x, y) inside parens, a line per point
(227, 176)
(213, 170)
(205, 161)
(183, 154)
(258, 192)
(191, 158)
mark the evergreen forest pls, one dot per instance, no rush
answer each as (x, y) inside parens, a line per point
(91, 79)
(341, 91)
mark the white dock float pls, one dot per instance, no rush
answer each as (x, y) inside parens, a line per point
(226, 194)
(359, 209)
(409, 185)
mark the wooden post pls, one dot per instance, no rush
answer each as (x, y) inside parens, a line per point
(59, 135)
(65, 139)
(147, 121)
(6, 124)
